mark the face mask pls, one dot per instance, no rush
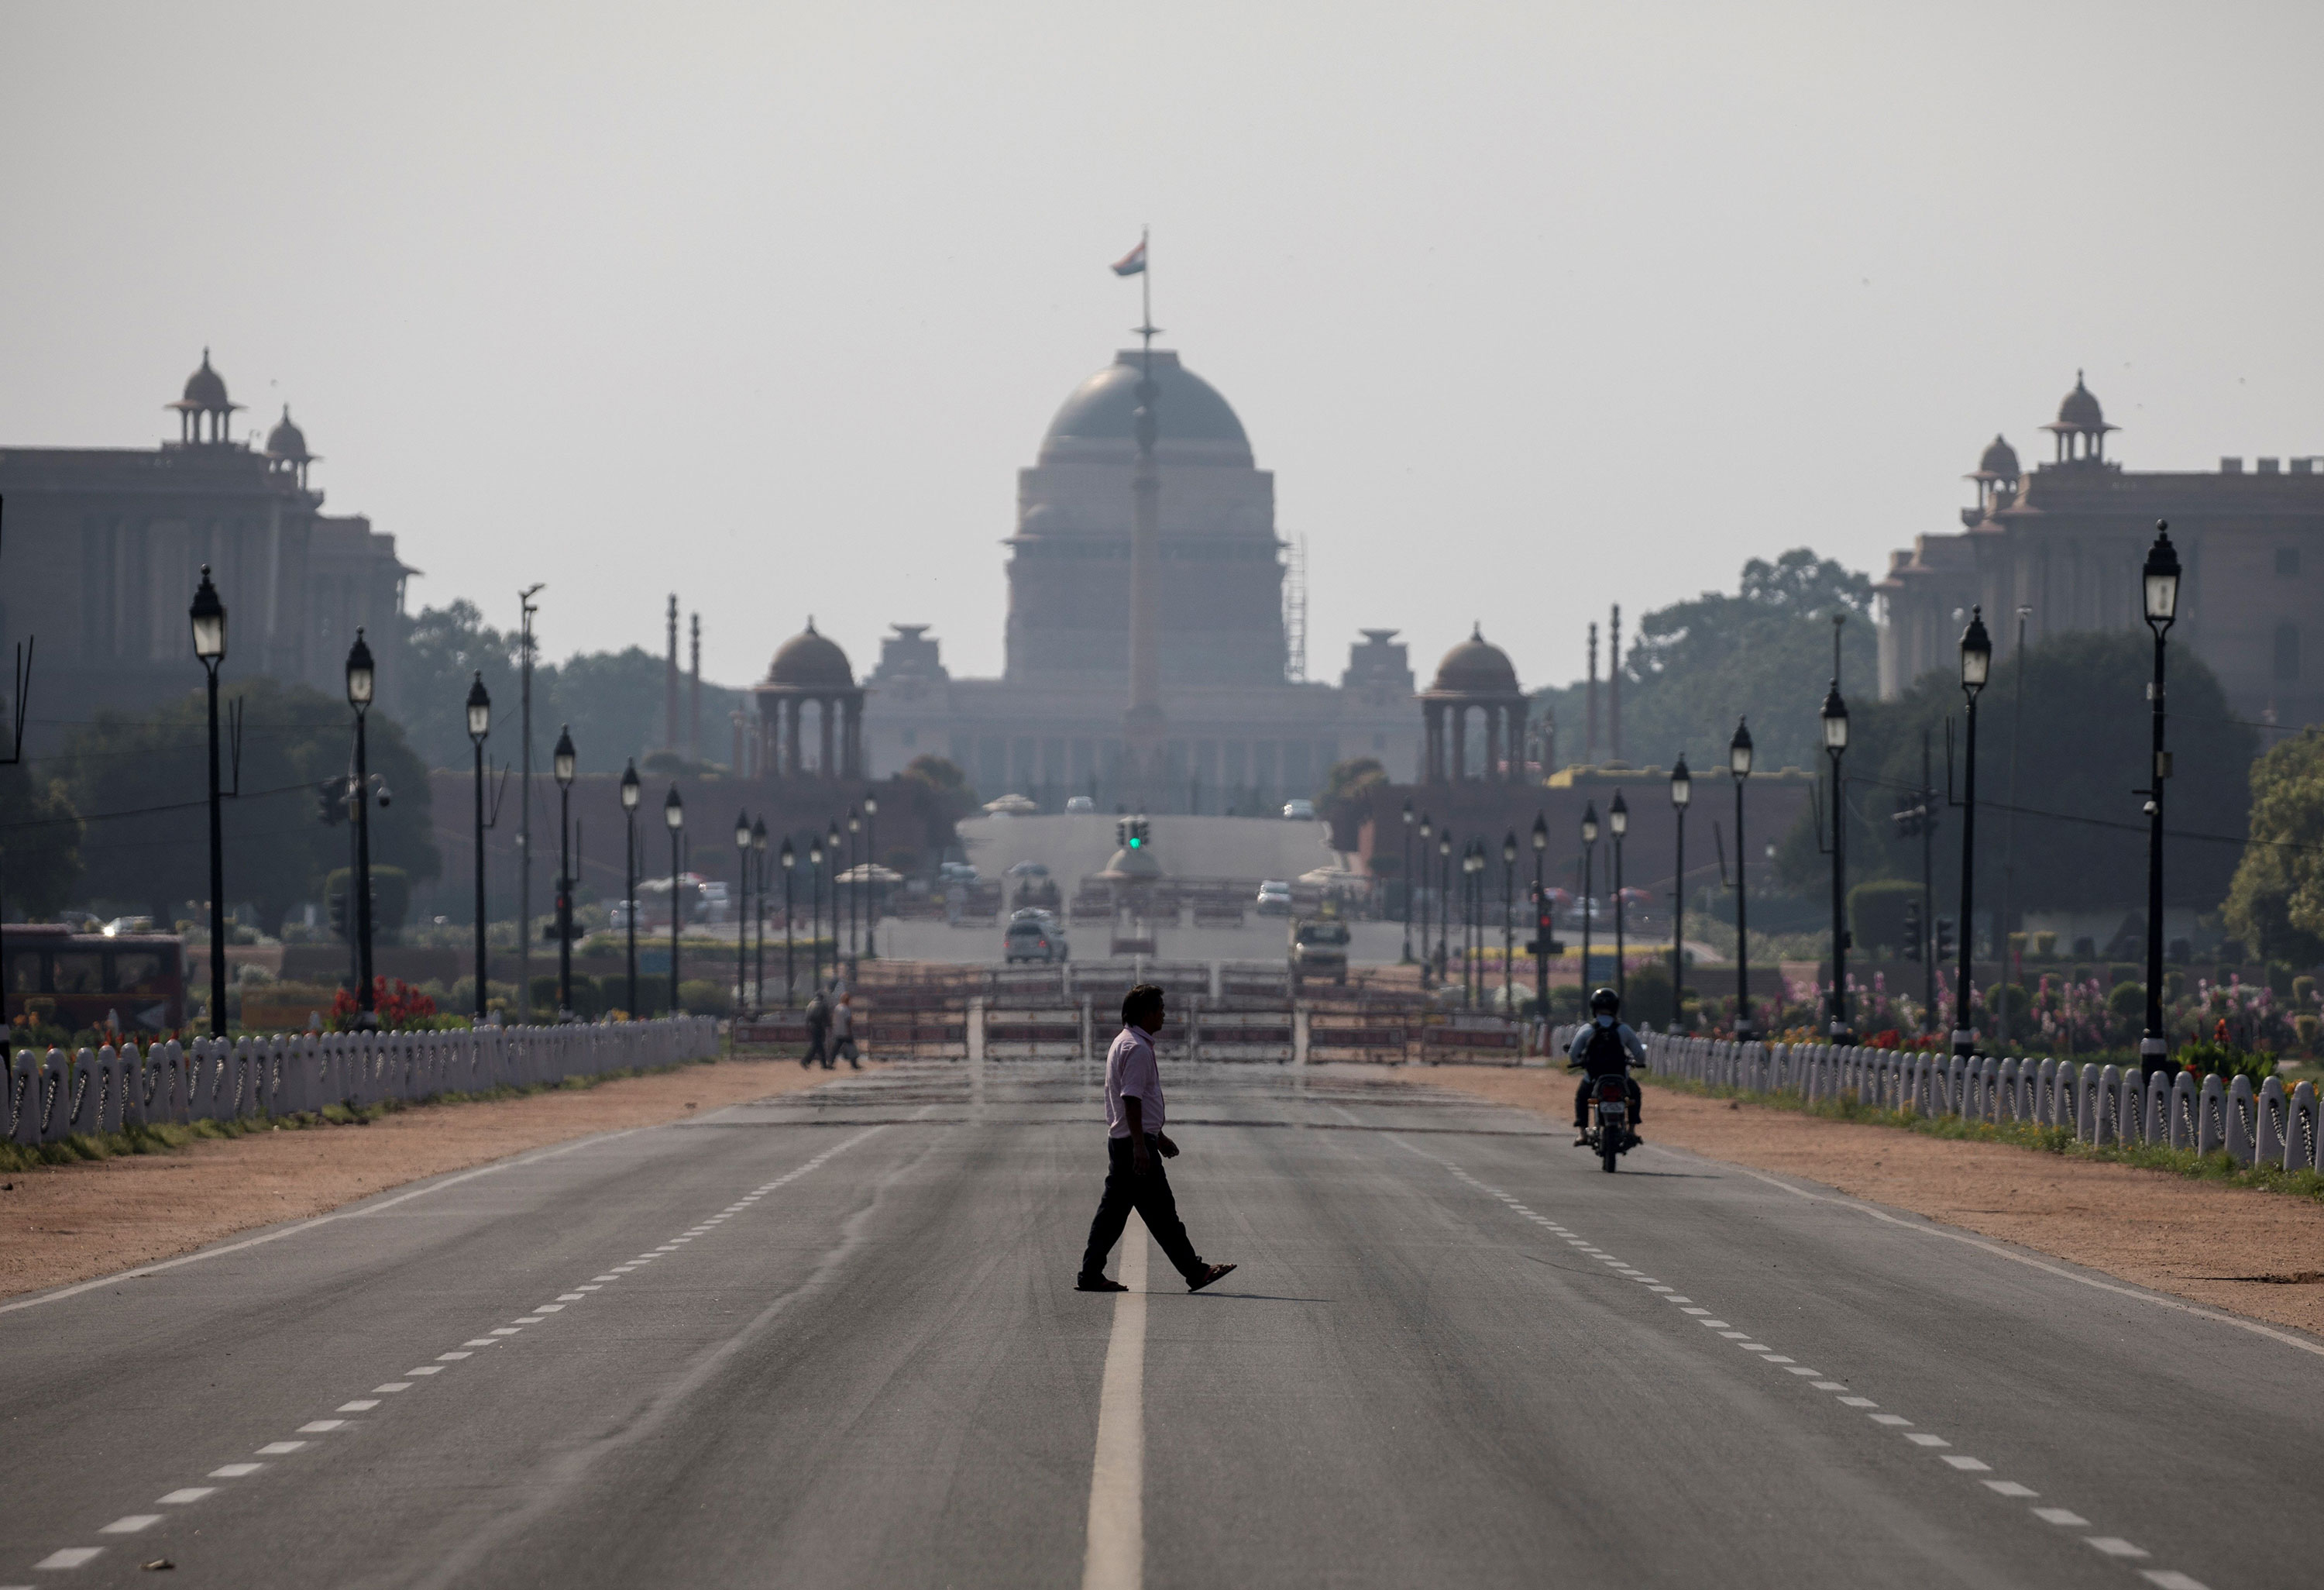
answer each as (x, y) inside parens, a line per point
(1605, 1020)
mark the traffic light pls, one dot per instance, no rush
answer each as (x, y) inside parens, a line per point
(331, 801)
(1944, 939)
(1913, 938)
(339, 903)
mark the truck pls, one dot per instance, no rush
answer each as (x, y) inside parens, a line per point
(1318, 949)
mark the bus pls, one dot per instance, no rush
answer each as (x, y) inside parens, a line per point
(136, 981)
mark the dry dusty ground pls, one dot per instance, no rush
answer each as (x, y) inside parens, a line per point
(2206, 1243)
(68, 1222)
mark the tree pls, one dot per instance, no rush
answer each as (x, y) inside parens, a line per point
(1697, 667)
(39, 843)
(141, 785)
(2080, 832)
(614, 702)
(2276, 901)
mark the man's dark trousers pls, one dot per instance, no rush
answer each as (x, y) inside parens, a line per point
(1150, 1195)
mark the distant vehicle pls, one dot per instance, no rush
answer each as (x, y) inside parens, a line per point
(956, 871)
(76, 980)
(1027, 869)
(1319, 949)
(1077, 804)
(1274, 898)
(618, 917)
(120, 925)
(711, 903)
(1033, 935)
(1299, 811)
(1013, 806)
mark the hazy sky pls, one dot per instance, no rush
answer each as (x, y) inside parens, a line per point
(1530, 308)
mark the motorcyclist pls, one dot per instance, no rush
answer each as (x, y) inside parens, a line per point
(1607, 1047)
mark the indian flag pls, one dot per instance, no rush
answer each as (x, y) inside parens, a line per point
(1132, 264)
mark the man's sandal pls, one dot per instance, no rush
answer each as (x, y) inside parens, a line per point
(1211, 1273)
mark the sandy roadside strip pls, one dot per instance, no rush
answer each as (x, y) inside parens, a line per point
(69, 1222)
(2195, 1240)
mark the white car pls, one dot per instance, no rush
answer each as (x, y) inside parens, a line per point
(1274, 898)
(1299, 811)
(1076, 804)
(1033, 935)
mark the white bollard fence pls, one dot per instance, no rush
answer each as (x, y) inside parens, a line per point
(54, 1094)
(2097, 1104)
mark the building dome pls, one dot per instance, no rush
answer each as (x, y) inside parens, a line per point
(811, 661)
(2080, 410)
(1476, 667)
(286, 442)
(1190, 416)
(205, 389)
(2000, 460)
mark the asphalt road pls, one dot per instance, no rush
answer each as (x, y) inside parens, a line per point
(833, 1340)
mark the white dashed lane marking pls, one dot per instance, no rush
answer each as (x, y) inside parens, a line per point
(2113, 1545)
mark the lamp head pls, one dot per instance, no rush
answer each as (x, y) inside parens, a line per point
(1509, 848)
(1590, 824)
(855, 823)
(741, 830)
(1738, 751)
(361, 678)
(1681, 782)
(1425, 829)
(814, 852)
(673, 810)
(1976, 653)
(630, 788)
(1540, 833)
(1835, 720)
(787, 857)
(2162, 580)
(480, 709)
(1618, 816)
(759, 836)
(208, 615)
(870, 806)
(562, 759)
(1444, 843)
(1407, 814)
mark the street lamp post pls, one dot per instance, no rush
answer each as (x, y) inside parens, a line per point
(1835, 746)
(759, 876)
(830, 855)
(1589, 881)
(1411, 883)
(209, 617)
(630, 792)
(1472, 867)
(854, 892)
(1509, 923)
(814, 910)
(1541, 920)
(1975, 664)
(1443, 902)
(673, 813)
(362, 680)
(790, 858)
(1739, 763)
(2161, 581)
(1682, 790)
(1406, 958)
(1618, 823)
(480, 725)
(562, 763)
(872, 877)
(742, 911)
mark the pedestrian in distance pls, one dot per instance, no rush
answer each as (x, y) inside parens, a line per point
(1136, 1145)
(842, 1034)
(818, 1032)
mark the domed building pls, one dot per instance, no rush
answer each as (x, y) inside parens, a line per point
(2066, 540)
(113, 544)
(1242, 729)
(809, 669)
(1475, 677)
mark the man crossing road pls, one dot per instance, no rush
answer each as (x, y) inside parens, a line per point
(1135, 1146)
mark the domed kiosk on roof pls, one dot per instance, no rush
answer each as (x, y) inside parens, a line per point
(1997, 475)
(810, 669)
(1475, 675)
(2080, 426)
(286, 448)
(205, 399)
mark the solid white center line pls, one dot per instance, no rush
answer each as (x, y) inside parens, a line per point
(1115, 1558)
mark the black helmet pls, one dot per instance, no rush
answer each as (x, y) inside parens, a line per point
(1605, 1002)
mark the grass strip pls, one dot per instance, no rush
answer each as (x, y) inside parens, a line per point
(164, 1137)
(2216, 1167)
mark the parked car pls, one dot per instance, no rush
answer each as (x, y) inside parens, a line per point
(1319, 949)
(1077, 804)
(1033, 935)
(1299, 811)
(1274, 898)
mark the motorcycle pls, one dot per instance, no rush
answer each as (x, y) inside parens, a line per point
(1610, 1135)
